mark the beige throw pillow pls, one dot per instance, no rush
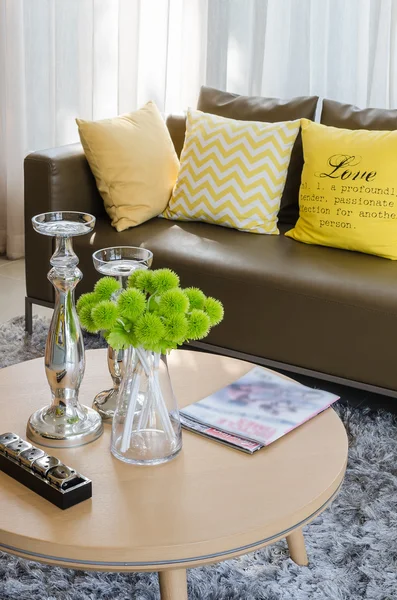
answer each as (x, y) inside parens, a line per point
(134, 163)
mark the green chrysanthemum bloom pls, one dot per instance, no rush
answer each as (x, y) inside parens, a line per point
(132, 278)
(196, 297)
(164, 280)
(105, 288)
(214, 309)
(86, 319)
(199, 324)
(131, 303)
(141, 279)
(104, 314)
(149, 330)
(86, 300)
(176, 327)
(173, 302)
(119, 339)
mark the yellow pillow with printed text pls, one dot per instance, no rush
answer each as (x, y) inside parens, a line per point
(348, 193)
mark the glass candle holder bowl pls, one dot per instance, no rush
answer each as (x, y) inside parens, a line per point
(63, 223)
(121, 261)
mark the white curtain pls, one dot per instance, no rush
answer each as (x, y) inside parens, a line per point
(97, 58)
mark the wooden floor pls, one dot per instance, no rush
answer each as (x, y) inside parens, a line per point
(12, 291)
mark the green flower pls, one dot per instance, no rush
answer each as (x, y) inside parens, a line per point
(173, 302)
(176, 328)
(105, 288)
(131, 303)
(196, 297)
(199, 324)
(86, 300)
(86, 319)
(104, 314)
(149, 330)
(164, 280)
(214, 309)
(153, 312)
(132, 278)
(141, 279)
(119, 339)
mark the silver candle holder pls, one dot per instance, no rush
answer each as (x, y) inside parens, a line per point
(118, 262)
(64, 423)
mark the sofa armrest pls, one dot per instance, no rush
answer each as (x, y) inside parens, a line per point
(56, 179)
(61, 179)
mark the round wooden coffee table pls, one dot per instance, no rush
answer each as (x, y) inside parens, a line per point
(209, 504)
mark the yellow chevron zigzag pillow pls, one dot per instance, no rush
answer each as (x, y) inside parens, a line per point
(232, 172)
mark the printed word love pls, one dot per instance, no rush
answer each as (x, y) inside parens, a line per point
(340, 168)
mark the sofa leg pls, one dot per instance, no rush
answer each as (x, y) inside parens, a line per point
(28, 316)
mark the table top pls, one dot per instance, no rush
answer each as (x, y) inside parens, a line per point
(210, 503)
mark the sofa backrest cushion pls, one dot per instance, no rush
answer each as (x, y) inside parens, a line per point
(348, 116)
(272, 110)
(177, 127)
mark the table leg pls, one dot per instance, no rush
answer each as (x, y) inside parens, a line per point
(173, 585)
(297, 549)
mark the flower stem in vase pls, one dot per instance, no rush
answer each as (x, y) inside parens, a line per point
(153, 380)
(126, 439)
(168, 429)
(147, 408)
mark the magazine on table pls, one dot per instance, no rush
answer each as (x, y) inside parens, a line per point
(255, 410)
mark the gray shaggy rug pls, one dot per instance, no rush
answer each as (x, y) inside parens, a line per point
(352, 546)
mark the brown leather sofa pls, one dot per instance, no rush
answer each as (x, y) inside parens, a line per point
(306, 309)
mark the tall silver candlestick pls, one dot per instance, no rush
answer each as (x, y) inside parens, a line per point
(65, 422)
(118, 262)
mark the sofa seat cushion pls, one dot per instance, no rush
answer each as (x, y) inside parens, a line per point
(308, 306)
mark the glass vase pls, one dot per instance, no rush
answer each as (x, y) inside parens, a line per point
(146, 426)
